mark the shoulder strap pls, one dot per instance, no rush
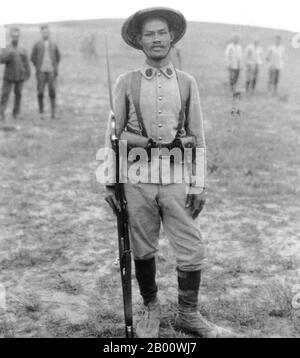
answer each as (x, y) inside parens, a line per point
(135, 89)
(184, 89)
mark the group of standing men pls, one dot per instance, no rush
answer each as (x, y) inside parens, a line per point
(253, 57)
(45, 57)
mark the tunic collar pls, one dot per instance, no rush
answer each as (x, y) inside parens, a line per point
(149, 71)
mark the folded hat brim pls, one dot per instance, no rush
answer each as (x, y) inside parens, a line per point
(131, 27)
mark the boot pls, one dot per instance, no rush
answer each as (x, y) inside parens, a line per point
(53, 106)
(189, 319)
(148, 326)
(41, 106)
(247, 86)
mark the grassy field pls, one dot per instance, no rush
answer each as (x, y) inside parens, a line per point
(58, 240)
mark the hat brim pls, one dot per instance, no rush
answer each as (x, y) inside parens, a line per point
(174, 18)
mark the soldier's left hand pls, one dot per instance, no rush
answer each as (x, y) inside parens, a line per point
(196, 203)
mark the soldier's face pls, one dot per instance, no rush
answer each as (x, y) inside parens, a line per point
(15, 35)
(236, 40)
(45, 33)
(278, 40)
(156, 38)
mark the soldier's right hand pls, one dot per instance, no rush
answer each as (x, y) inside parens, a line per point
(112, 200)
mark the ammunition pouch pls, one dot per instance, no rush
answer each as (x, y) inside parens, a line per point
(138, 141)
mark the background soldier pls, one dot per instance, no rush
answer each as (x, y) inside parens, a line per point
(17, 70)
(234, 61)
(275, 59)
(46, 57)
(253, 60)
(88, 48)
(154, 109)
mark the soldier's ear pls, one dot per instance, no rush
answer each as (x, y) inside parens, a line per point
(139, 39)
(172, 35)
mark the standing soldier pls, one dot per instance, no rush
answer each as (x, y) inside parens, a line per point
(275, 59)
(46, 57)
(253, 60)
(161, 106)
(234, 61)
(17, 70)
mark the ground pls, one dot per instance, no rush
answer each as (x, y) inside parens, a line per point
(58, 240)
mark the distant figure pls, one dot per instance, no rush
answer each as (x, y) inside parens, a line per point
(253, 60)
(88, 48)
(17, 70)
(46, 57)
(235, 109)
(275, 59)
(234, 61)
(176, 58)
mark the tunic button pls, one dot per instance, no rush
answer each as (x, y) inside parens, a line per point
(160, 98)
(159, 112)
(159, 138)
(159, 86)
(160, 125)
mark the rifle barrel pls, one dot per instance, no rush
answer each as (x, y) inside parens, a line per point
(108, 76)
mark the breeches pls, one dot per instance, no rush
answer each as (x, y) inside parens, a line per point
(149, 205)
(252, 73)
(6, 89)
(46, 78)
(233, 76)
(274, 76)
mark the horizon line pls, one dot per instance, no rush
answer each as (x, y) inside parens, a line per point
(122, 19)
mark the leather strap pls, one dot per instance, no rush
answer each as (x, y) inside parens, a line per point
(135, 90)
(135, 85)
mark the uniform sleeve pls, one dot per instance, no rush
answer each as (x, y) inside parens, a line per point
(33, 56)
(241, 56)
(26, 66)
(269, 54)
(195, 115)
(247, 53)
(5, 56)
(57, 54)
(228, 55)
(196, 127)
(119, 102)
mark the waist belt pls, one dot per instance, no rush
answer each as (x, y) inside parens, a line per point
(176, 143)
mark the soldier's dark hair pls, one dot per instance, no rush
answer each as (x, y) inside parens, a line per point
(44, 27)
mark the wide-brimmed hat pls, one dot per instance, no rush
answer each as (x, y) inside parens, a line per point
(132, 25)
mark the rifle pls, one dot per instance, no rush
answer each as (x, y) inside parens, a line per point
(122, 219)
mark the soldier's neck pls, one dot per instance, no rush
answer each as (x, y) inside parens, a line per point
(158, 63)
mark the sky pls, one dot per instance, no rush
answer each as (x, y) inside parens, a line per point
(278, 14)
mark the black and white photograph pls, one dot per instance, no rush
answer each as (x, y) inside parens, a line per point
(150, 171)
